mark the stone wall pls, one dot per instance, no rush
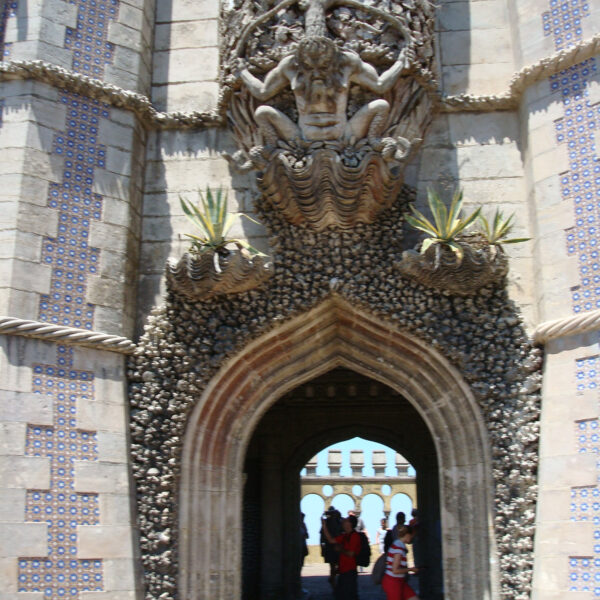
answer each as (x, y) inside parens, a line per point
(90, 212)
(359, 268)
(71, 180)
(556, 117)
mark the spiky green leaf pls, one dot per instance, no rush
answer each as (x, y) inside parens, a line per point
(457, 249)
(426, 243)
(515, 240)
(496, 233)
(461, 224)
(422, 224)
(212, 218)
(244, 244)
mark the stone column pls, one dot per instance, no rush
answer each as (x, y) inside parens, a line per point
(401, 465)
(357, 462)
(311, 467)
(379, 462)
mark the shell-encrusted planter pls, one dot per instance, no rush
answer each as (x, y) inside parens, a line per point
(195, 276)
(440, 268)
(326, 188)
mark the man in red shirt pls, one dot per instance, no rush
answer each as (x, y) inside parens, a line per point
(348, 545)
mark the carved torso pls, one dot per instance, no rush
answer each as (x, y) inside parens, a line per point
(321, 100)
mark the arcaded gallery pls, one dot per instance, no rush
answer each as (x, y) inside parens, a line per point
(238, 233)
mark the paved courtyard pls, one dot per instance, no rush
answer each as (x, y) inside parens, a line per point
(314, 581)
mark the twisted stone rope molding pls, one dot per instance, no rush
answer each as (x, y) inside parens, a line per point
(152, 118)
(522, 79)
(66, 335)
(92, 339)
(558, 328)
(111, 94)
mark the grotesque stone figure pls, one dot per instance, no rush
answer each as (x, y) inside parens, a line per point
(320, 74)
(330, 115)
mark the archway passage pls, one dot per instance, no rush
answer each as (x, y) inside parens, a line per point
(328, 409)
(334, 334)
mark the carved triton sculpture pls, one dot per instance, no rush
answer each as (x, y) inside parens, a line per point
(320, 74)
(331, 117)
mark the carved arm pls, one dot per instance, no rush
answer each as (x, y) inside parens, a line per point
(366, 75)
(274, 82)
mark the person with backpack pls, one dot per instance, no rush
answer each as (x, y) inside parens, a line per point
(330, 555)
(361, 529)
(349, 546)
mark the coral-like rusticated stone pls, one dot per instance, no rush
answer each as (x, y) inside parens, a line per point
(321, 190)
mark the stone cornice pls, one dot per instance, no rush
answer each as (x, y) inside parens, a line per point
(522, 79)
(355, 479)
(66, 335)
(113, 95)
(154, 119)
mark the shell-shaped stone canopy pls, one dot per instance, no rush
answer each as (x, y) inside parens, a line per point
(323, 191)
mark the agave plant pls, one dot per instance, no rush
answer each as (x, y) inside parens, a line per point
(447, 224)
(214, 221)
(496, 233)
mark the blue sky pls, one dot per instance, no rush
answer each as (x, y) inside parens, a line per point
(313, 506)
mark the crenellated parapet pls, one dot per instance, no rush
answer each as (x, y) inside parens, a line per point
(356, 485)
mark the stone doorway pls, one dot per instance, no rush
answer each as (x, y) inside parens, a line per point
(328, 409)
(217, 447)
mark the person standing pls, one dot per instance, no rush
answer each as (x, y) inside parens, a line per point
(392, 534)
(380, 536)
(394, 582)
(303, 538)
(360, 524)
(360, 527)
(348, 545)
(333, 518)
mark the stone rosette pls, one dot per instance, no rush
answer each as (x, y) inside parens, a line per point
(196, 278)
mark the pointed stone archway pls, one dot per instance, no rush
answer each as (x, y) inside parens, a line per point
(334, 334)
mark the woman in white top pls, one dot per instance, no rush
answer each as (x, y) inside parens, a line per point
(380, 536)
(394, 581)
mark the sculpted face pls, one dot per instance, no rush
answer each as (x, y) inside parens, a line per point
(317, 54)
(318, 87)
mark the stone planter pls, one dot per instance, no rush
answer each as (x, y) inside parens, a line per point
(195, 275)
(440, 268)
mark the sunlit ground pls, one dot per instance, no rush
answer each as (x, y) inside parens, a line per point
(314, 581)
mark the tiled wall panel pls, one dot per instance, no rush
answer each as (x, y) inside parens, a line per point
(69, 168)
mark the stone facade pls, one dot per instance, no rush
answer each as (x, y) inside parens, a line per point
(111, 109)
